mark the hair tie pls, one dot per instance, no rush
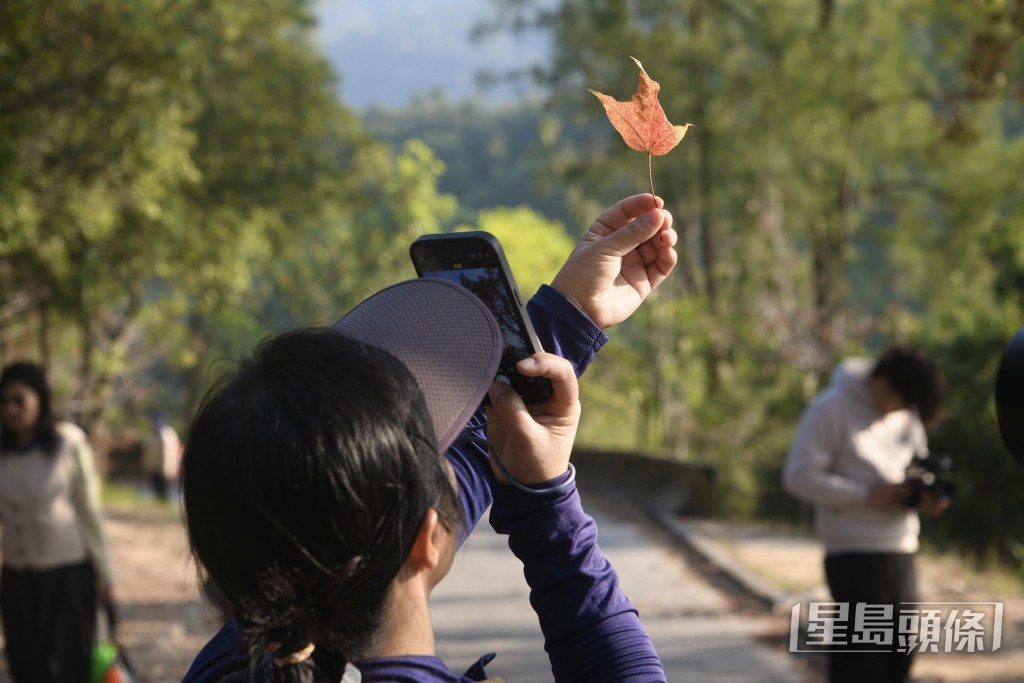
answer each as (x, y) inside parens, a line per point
(296, 657)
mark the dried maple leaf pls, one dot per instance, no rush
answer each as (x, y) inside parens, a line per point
(641, 121)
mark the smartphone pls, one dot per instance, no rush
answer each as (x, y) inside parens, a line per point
(476, 261)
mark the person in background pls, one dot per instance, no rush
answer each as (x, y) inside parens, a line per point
(56, 563)
(161, 456)
(849, 459)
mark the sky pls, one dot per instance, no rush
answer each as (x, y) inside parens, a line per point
(387, 51)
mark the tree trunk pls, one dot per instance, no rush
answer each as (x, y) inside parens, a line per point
(705, 191)
(196, 376)
(686, 267)
(85, 393)
(832, 240)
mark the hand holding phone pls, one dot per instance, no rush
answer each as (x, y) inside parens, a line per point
(533, 444)
(476, 261)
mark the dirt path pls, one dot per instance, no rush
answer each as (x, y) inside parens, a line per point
(792, 566)
(163, 621)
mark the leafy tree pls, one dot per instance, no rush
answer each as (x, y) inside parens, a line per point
(95, 140)
(849, 182)
(492, 156)
(175, 179)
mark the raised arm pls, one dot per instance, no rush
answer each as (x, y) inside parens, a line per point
(809, 472)
(85, 496)
(624, 255)
(591, 629)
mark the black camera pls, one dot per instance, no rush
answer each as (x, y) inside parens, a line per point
(932, 473)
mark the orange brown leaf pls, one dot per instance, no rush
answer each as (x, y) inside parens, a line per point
(641, 121)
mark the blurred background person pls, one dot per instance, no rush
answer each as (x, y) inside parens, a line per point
(849, 459)
(56, 562)
(161, 456)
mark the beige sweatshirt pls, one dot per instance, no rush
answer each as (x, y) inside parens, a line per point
(842, 450)
(50, 510)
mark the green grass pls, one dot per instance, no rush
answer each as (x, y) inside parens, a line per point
(120, 493)
(123, 497)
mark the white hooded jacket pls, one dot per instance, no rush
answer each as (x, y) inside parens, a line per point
(842, 450)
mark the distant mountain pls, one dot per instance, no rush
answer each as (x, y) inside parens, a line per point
(388, 51)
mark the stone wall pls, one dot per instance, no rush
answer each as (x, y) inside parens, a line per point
(684, 488)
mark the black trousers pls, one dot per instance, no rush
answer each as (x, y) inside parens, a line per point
(875, 579)
(49, 620)
(160, 486)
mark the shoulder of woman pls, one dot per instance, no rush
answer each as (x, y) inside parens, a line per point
(71, 433)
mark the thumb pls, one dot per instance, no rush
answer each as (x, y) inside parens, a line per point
(508, 405)
(636, 232)
(499, 390)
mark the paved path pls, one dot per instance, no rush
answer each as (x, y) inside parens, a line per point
(701, 632)
(703, 627)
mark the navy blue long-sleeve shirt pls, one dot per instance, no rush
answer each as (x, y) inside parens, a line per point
(592, 632)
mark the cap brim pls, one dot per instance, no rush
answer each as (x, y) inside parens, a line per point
(444, 335)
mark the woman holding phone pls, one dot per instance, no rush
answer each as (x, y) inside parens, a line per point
(329, 480)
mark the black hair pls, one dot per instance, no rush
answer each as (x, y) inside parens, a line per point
(915, 376)
(33, 376)
(306, 476)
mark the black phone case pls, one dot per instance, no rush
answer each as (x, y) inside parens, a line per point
(449, 252)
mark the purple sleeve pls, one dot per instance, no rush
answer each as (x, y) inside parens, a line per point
(473, 476)
(591, 630)
(563, 330)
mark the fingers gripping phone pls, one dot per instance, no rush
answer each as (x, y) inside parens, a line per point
(476, 261)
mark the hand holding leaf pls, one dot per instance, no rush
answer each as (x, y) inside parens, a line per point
(641, 121)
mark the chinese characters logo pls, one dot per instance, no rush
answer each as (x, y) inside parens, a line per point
(908, 627)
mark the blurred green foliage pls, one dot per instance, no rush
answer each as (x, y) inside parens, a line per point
(852, 180)
(177, 179)
(494, 156)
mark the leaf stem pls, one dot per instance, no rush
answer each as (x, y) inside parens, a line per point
(650, 173)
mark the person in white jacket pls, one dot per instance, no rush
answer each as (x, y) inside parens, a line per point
(162, 456)
(849, 459)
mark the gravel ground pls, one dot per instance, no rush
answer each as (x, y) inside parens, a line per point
(164, 623)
